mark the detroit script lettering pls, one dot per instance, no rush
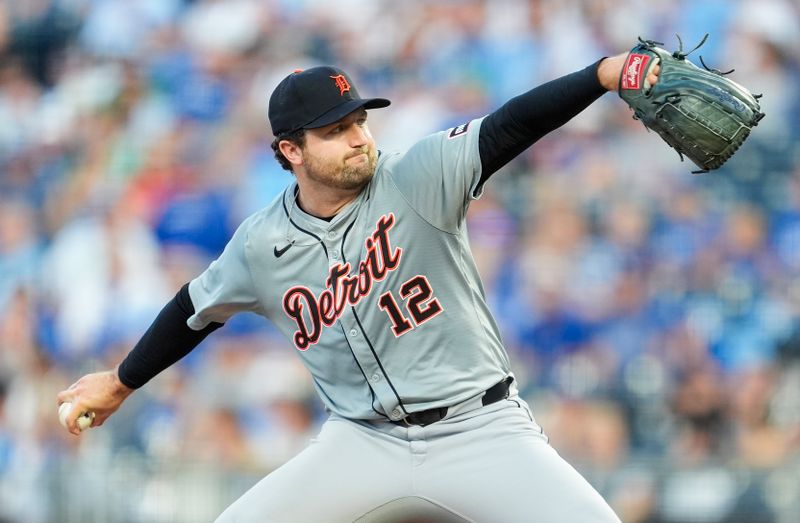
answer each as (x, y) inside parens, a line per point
(343, 288)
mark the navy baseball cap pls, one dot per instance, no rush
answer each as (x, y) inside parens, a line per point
(316, 97)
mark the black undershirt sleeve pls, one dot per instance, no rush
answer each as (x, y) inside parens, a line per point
(523, 120)
(166, 341)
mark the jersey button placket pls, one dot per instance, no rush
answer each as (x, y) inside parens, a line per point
(359, 344)
(334, 258)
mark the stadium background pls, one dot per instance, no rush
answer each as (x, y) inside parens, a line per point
(652, 314)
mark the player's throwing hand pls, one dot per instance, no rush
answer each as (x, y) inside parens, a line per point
(100, 393)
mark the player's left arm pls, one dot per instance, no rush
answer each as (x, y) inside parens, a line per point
(523, 120)
(440, 174)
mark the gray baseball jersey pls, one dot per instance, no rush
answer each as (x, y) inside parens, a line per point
(383, 302)
(385, 306)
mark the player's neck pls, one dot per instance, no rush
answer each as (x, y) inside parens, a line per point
(324, 202)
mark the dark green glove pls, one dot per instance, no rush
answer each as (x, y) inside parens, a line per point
(699, 112)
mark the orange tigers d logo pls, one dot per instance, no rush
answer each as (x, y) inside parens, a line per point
(341, 83)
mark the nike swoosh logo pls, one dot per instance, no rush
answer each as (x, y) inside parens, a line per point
(279, 253)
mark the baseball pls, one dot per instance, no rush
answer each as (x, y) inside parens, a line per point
(84, 420)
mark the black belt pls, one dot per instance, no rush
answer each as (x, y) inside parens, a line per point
(493, 394)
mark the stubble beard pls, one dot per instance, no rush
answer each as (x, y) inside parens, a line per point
(342, 175)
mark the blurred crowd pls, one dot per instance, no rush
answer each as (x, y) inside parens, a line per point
(652, 315)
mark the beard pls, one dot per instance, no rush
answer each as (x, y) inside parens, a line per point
(341, 174)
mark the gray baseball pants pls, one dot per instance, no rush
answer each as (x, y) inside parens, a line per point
(486, 464)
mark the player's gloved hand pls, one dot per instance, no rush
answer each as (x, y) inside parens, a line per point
(610, 69)
(700, 112)
(100, 392)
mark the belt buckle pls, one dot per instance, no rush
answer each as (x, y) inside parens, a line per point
(424, 419)
(407, 421)
(404, 421)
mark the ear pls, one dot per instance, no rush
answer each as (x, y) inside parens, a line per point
(291, 151)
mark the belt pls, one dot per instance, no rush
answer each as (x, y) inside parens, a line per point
(493, 394)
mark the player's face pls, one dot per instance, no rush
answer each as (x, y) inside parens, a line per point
(341, 155)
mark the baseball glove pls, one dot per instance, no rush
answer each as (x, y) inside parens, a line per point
(698, 112)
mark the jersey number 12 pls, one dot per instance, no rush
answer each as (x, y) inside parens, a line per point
(420, 305)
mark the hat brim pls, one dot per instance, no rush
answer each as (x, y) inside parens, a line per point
(340, 111)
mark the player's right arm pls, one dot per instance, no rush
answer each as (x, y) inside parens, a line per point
(168, 339)
(199, 308)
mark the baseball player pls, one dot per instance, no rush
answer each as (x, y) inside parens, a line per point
(363, 263)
